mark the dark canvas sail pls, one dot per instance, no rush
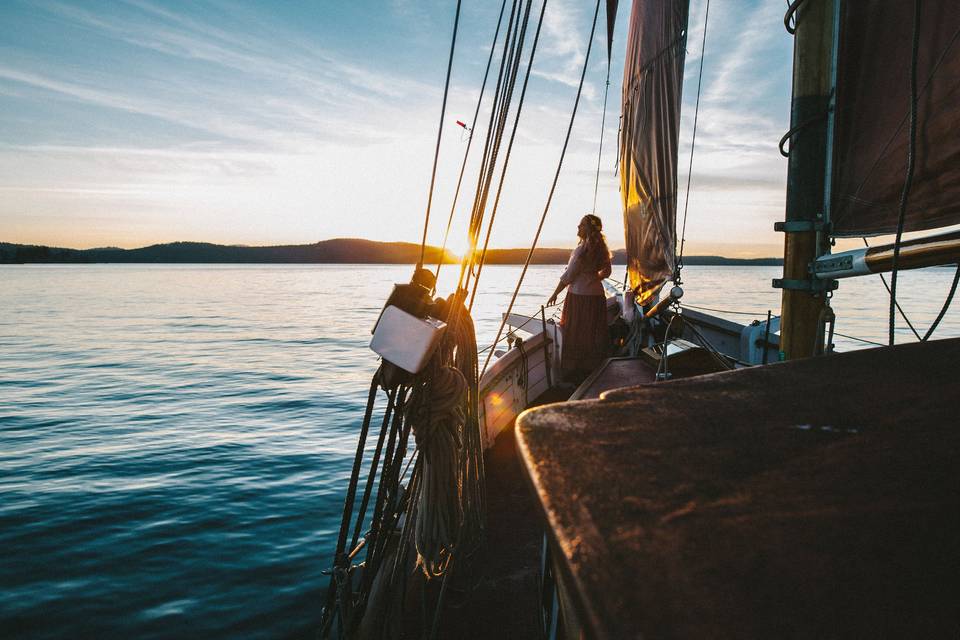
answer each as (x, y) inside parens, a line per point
(652, 83)
(611, 22)
(872, 121)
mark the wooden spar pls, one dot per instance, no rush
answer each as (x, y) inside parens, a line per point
(813, 54)
(929, 251)
(675, 294)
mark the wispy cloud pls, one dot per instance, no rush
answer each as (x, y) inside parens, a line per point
(276, 120)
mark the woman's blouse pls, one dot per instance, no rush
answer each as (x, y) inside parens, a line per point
(584, 279)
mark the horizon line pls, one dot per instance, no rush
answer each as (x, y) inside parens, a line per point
(448, 251)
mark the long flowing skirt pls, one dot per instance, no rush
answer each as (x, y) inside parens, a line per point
(585, 334)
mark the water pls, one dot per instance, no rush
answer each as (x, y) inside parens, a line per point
(175, 440)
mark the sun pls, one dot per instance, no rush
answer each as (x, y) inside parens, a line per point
(458, 245)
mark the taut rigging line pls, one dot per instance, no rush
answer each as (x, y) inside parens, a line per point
(436, 153)
(693, 146)
(553, 187)
(506, 159)
(466, 153)
(504, 89)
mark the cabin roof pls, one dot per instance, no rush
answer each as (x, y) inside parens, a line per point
(808, 498)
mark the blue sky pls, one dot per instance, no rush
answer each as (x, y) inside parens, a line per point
(138, 121)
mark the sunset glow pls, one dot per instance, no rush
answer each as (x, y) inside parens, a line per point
(139, 122)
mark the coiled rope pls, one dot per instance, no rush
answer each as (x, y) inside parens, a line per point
(444, 502)
(436, 414)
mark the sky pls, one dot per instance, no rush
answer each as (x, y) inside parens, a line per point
(136, 122)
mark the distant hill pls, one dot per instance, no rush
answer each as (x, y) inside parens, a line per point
(337, 251)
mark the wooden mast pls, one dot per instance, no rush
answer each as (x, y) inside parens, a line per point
(804, 235)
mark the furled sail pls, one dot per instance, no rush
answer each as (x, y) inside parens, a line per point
(873, 117)
(652, 84)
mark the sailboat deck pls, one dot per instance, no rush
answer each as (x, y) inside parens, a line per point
(615, 373)
(499, 596)
(814, 498)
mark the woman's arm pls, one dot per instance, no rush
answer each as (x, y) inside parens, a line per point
(573, 266)
(553, 296)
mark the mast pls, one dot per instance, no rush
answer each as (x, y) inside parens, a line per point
(806, 228)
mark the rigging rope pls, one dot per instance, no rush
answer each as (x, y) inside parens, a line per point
(444, 502)
(603, 123)
(436, 153)
(864, 340)
(713, 351)
(506, 159)
(512, 67)
(790, 17)
(489, 144)
(738, 313)
(903, 314)
(466, 153)
(693, 145)
(553, 187)
(946, 305)
(437, 417)
(908, 181)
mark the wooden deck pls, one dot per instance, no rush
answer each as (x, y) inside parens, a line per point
(816, 498)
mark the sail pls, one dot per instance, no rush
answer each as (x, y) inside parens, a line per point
(873, 117)
(652, 83)
(611, 22)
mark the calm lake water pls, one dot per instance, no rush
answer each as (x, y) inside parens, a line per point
(175, 440)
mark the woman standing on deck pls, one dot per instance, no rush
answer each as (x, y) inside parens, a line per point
(584, 317)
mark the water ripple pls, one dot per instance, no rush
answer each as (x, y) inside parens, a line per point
(175, 440)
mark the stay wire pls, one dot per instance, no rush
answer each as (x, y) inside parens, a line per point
(903, 314)
(372, 476)
(340, 560)
(487, 146)
(946, 305)
(474, 265)
(480, 201)
(863, 340)
(693, 146)
(466, 153)
(908, 181)
(502, 112)
(603, 124)
(506, 159)
(553, 187)
(436, 153)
